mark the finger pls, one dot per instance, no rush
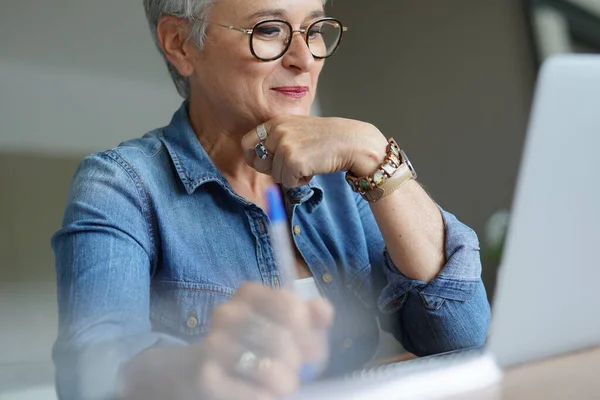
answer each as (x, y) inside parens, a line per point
(322, 312)
(251, 139)
(291, 173)
(272, 369)
(255, 330)
(216, 383)
(249, 143)
(264, 166)
(219, 347)
(272, 375)
(230, 314)
(281, 306)
(248, 330)
(272, 132)
(304, 180)
(292, 177)
(293, 166)
(277, 166)
(272, 340)
(270, 126)
(305, 338)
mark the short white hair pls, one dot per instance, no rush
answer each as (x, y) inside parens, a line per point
(194, 11)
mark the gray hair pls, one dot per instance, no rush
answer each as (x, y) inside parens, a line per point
(194, 11)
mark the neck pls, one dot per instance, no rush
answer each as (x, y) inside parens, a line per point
(223, 145)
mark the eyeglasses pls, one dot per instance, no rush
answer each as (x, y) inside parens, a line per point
(271, 39)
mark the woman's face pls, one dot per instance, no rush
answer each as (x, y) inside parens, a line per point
(236, 85)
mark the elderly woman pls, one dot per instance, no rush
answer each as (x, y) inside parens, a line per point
(167, 281)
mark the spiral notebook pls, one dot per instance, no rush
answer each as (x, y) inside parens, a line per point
(422, 378)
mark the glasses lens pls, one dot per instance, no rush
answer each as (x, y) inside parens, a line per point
(270, 38)
(324, 37)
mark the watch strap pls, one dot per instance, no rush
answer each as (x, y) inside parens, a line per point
(400, 177)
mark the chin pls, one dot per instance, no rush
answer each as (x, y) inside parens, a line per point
(284, 106)
(297, 110)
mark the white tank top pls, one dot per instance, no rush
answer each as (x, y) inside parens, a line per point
(306, 288)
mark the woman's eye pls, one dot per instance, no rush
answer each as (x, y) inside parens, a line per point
(268, 31)
(314, 32)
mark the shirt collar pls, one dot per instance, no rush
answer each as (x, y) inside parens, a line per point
(311, 195)
(191, 161)
(195, 168)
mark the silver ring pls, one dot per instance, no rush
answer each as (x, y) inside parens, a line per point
(261, 132)
(249, 364)
(261, 151)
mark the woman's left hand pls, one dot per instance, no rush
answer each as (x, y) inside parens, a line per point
(300, 147)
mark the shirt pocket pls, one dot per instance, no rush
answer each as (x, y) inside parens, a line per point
(183, 309)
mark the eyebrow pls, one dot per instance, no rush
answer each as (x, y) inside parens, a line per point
(280, 13)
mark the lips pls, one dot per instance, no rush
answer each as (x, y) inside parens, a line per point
(295, 92)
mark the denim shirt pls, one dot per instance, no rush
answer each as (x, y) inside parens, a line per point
(154, 238)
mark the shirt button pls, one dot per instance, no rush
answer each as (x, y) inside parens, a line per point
(192, 322)
(346, 344)
(261, 226)
(297, 230)
(327, 278)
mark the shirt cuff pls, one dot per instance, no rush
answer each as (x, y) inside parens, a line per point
(457, 280)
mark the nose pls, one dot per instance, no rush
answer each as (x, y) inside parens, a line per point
(298, 55)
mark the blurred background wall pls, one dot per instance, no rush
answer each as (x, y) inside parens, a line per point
(450, 80)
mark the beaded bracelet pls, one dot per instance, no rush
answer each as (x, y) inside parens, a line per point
(391, 163)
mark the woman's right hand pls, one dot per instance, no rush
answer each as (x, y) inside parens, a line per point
(261, 343)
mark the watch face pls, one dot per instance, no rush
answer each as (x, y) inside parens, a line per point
(408, 164)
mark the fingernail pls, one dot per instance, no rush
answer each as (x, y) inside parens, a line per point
(308, 372)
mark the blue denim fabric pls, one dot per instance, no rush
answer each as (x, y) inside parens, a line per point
(154, 238)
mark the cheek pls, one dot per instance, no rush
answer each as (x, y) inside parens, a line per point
(227, 62)
(233, 79)
(246, 87)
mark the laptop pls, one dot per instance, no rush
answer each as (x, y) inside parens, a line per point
(545, 301)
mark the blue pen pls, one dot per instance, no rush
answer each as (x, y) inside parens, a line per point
(280, 238)
(286, 260)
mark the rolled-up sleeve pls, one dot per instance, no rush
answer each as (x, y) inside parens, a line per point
(450, 312)
(104, 256)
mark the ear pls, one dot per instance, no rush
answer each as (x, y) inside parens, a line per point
(173, 35)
